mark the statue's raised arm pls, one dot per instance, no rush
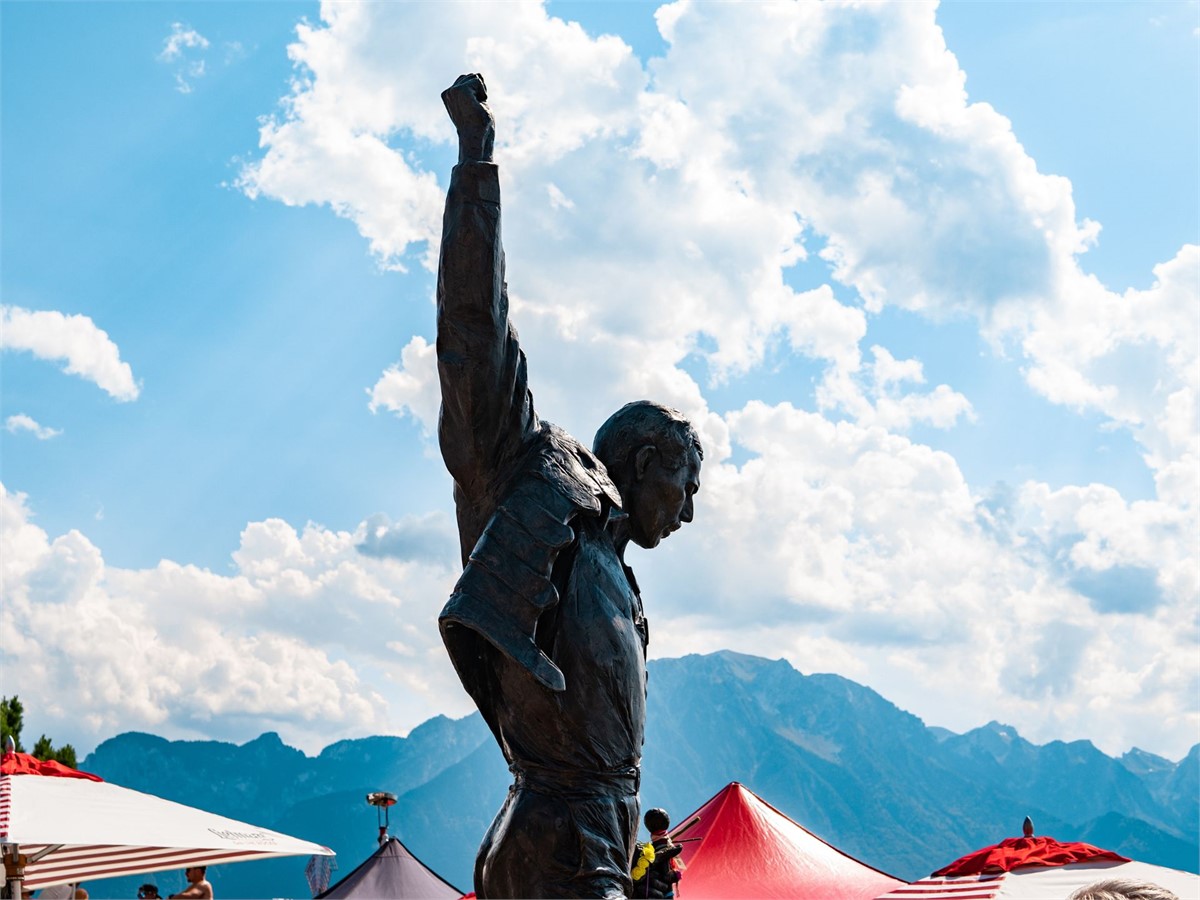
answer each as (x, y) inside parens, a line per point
(487, 411)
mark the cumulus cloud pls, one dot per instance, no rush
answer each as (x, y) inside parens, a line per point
(411, 387)
(660, 214)
(21, 422)
(1101, 541)
(1135, 357)
(309, 635)
(716, 162)
(428, 537)
(847, 548)
(881, 393)
(86, 350)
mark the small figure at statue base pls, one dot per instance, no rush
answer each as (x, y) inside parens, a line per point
(656, 868)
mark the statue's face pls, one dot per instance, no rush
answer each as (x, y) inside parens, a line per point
(660, 500)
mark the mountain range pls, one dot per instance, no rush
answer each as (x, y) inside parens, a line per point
(835, 756)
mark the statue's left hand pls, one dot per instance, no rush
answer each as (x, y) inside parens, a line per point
(466, 102)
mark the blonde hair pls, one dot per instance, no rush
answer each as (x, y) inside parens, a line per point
(1123, 889)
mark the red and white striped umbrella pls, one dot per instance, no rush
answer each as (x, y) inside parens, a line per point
(1038, 868)
(70, 826)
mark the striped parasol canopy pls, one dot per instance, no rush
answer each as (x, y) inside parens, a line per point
(62, 826)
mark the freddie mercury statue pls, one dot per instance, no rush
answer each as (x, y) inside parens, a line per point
(545, 626)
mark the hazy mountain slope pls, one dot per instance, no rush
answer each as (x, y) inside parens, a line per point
(833, 755)
(1139, 840)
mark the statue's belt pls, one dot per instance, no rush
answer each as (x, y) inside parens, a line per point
(576, 784)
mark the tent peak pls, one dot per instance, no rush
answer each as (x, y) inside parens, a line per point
(392, 871)
(740, 845)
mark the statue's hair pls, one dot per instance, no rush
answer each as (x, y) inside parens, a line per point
(1123, 889)
(643, 422)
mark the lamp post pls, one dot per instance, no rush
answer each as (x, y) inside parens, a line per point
(382, 801)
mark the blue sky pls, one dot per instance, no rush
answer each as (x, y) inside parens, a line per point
(941, 346)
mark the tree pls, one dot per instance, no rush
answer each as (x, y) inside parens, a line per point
(12, 719)
(65, 754)
(12, 715)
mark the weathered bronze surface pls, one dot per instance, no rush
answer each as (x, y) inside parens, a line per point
(545, 627)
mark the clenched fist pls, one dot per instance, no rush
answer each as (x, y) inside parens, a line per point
(465, 101)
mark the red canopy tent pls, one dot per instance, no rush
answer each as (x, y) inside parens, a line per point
(744, 847)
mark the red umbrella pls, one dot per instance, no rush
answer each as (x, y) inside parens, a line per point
(1038, 868)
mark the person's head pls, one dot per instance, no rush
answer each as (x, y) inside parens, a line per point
(1123, 889)
(657, 820)
(195, 873)
(148, 892)
(653, 455)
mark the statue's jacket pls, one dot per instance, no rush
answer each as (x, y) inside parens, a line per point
(507, 583)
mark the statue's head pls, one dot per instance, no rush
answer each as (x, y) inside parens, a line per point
(653, 455)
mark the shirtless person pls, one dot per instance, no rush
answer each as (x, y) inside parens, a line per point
(198, 886)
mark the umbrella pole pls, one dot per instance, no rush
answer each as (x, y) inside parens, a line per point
(14, 866)
(14, 870)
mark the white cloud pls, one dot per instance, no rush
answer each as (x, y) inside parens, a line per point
(1134, 357)
(181, 38)
(182, 48)
(850, 549)
(877, 394)
(657, 214)
(714, 214)
(87, 350)
(304, 637)
(1094, 528)
(21, 422)
(926, 200)
(411, 386)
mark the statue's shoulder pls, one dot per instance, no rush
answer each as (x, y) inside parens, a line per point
(571, 469)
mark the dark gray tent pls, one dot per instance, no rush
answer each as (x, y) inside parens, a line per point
(393, 872)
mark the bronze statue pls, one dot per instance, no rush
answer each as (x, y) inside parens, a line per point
(545, 626)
